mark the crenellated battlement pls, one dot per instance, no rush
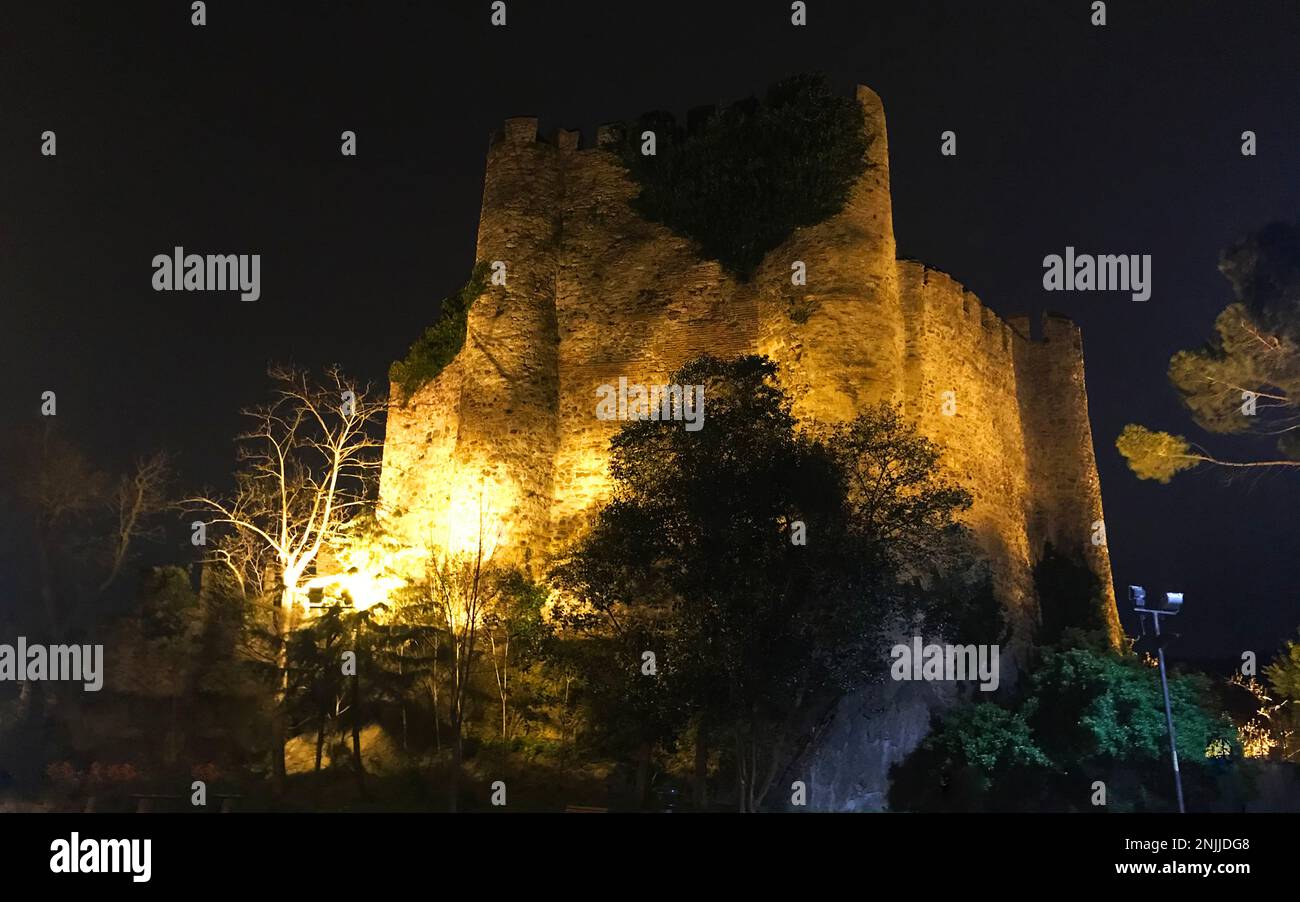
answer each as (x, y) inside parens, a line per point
(525, 130)
(936, 293)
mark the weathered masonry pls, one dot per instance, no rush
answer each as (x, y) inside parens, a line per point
(506, 435)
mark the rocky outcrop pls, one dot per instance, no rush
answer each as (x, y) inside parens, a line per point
(847, 765)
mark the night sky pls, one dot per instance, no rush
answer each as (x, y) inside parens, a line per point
(225, 139)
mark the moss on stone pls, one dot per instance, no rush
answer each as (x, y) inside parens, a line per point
(442, 341)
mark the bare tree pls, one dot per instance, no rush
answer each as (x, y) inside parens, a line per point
(307, 466)
(83, 529)
(244, 560)
(501, 669)
(138, 494)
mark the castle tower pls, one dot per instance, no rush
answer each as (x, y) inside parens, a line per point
(507, 434)
(471, 454)
(1065, 501)
(634, 301)
(839, 340)
(961, 391)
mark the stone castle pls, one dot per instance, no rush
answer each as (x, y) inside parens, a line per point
(504, 443)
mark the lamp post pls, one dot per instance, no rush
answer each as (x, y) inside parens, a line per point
(1172, 603)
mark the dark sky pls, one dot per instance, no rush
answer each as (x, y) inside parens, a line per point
(224, 139)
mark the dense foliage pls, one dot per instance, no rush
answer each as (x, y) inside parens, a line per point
(698, 559)
(738, 582)
(1088, 714)
(740, 181)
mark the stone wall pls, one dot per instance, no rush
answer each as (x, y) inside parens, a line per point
(961, 390)
(507, 435)
(1065, 491)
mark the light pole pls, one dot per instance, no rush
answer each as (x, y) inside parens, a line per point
(1172, 604)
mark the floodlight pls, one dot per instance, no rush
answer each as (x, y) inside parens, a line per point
(1166, 607)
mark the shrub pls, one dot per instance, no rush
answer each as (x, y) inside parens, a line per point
(63, 773)
(108, 774)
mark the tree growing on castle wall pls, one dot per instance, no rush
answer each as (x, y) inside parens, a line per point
(307, 467)
(741, 180)
(696, 555)
(1246, 380)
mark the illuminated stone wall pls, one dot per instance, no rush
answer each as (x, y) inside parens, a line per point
(507, 434)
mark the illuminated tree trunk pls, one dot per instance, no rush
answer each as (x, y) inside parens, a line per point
(503, 677)
(279, 713)
(456, 709)
(358, 767)
(307, 465)
(457, 758)
(400, 671)
(320, 736)
(751, 790)
(437, 715)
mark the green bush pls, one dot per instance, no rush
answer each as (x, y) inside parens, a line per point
(442, 341)
(1087, 714)
(739, 181)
